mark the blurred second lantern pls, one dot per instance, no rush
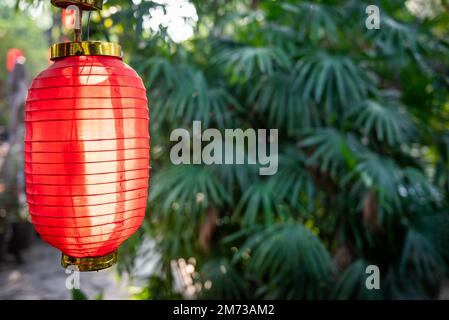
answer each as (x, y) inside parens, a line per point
(87, 151)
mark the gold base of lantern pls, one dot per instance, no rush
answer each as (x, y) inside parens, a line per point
(89, 263)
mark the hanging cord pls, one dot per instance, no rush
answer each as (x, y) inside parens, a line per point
(79, 32)
(88, 25)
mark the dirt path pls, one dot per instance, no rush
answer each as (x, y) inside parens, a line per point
(42, 277)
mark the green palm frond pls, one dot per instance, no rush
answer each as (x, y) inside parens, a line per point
(277, 97)
(331, 150)
(434, 226)
(288, 250)
(441, 176)
(394, 284)
(220, 106)
(191, 187)
(351, 283)
(157, 70)
(315, 20)
(399, 287)
(192, 99)
(175, 236)
(264, 200)
(332, 80)
(395, 38)
(418, 187)
(243, 63)
(389, 122)
(221, 279)
(421, 258)
(183, 94)
(382, 175)
(281, 36)
(394, 186)
(292, 179)
(258, 204)
(237, 177)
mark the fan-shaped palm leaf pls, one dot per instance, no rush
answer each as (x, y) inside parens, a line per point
(389, 122)
(330, 149)
(244, 63)
(316, 20)
(277, 97)
(333, 80)
(221, 279)
(258, 204)
(237, 178)
(421, 258)
(351, 283)
(382, 175)
(417, 186)
(182, 93)
(292, 179)
(190, 187)
(289, 251)
(192, 99)
(434, 226)
(395, 38)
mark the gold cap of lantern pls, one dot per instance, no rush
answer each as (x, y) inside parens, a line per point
(85, 48)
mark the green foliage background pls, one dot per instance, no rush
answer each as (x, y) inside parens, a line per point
(20, 31)
(364, 147)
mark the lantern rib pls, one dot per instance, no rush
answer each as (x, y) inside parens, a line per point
(86, 140)
(85, 162)
(86, 205)
(87, 86)
(79, 119)
(110, 150)
(68, 98)
(88, 236)
(67, 109)
(84, 217)
(90, 174)
(82, 195)
(90, 226)
(66, 245)
(88, 184)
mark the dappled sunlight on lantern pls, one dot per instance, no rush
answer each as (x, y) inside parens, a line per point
(93, 79)
(87, 75)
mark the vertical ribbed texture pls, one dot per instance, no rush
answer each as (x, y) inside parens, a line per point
(87, 154)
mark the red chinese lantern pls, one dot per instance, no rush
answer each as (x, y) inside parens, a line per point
(11, 58)
(87, 153)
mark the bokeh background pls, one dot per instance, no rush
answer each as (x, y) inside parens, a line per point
(363, 174)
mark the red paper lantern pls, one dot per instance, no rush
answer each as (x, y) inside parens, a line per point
(11, 58)
(87, 153)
